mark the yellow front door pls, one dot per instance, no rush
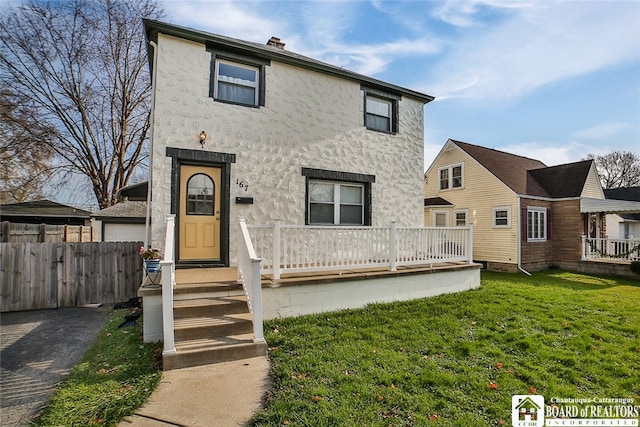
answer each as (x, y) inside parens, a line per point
(199, 227)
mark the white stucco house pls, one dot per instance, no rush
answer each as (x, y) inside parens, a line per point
(304, 177)
(287, 137)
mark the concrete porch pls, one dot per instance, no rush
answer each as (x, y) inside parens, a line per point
(213, 323)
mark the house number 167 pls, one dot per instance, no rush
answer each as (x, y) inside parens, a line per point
(243, 185)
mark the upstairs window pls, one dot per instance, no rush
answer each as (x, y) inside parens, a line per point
(380, 110)
(450, 177)
(236, 83)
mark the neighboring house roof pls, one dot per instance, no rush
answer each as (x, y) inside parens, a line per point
(627, 193)
(270, 53)
(137, 192)
(560, 181)
(631, 194)
(42, 209)
(126, 209)
(507, 167)
(531, 177)
(436, 201)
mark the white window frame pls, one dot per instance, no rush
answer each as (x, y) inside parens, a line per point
(497, 209)
(465, 212)
(255, 85)
(440, 212)
(336, 201)
(539, 232)
(450, 179)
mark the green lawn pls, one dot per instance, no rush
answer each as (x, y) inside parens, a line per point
(456, 360)
(115, 377)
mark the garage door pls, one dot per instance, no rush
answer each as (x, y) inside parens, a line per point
(123, 233)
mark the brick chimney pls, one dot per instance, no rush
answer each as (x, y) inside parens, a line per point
(275, 41)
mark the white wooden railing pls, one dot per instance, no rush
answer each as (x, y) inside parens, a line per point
(618, 250)
(168, 268)
(249, 275)
(293, 248)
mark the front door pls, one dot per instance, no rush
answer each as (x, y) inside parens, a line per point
(199, 221)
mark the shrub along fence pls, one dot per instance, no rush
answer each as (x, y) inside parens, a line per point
(53, 275)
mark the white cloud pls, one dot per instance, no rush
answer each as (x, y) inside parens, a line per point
(536, 46)
(224, 17)
(603, 130)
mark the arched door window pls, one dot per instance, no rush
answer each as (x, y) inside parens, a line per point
(200, 195)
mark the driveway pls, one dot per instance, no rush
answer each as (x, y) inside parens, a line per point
(37, 350)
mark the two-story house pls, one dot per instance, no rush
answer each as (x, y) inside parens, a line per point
(241, 129)
(525, 216)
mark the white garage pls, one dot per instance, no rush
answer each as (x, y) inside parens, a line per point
(122, 222)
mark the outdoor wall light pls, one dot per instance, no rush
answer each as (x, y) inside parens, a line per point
(203, 137)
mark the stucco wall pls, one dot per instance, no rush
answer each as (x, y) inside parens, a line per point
(310, 120)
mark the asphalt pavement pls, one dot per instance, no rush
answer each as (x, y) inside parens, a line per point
(37, 350)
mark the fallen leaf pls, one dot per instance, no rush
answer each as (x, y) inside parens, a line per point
(501, 422)
(565, 324)
(315, 399)
(493, 385)
(380, 398)
(499, 365)
(532, 390)
(393, 386)
(434, 417)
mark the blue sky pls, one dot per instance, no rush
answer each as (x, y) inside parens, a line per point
(543, 79)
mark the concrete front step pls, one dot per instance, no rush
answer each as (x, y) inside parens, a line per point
(204, 352)
(211, 327)
(209, 306)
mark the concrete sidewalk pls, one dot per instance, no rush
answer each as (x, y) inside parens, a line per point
(220, 395)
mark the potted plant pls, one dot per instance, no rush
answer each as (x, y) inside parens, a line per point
(151, 259)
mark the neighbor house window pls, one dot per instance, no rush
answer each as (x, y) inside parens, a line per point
(502, 217)
(380, 110)
(460, 218)
(450, 177)
(336, 203)
(536, 224)
(441, 218)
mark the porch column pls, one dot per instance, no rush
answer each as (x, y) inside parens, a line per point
(276, 249)
(392, 246)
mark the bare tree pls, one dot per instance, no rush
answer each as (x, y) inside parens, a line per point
(617, 169)
(83, 67)
(25, 159)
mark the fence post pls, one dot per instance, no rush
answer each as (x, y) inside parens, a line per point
(276, 249)
(5, 232)
(470, 244)
(392, 246)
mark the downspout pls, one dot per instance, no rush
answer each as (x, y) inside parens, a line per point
(519, 240)
(147, 221)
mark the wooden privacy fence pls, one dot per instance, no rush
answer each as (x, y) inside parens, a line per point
(52, 275)
(22, 233)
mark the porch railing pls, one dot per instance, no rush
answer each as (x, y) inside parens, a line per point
(168, 268)
(294, 248)
(249, 275)
(619, 250)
